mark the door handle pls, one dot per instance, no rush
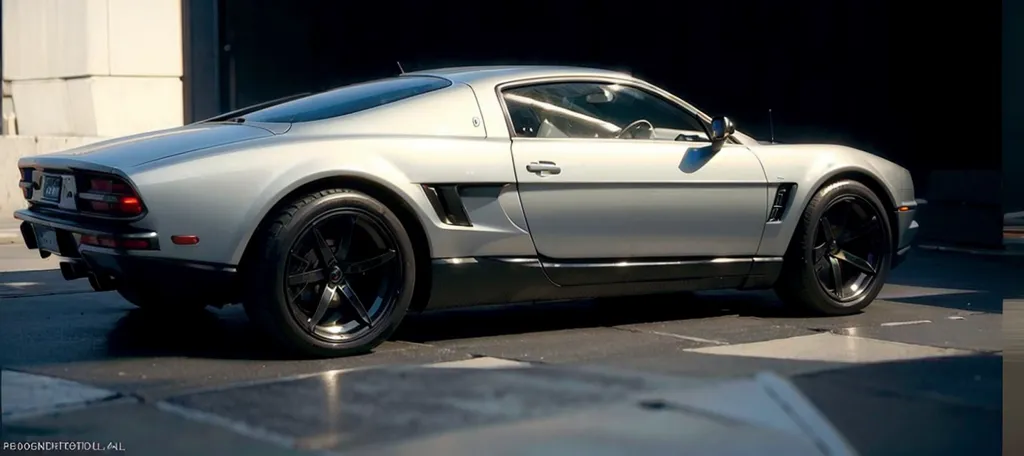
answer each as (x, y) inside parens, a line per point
(543, 167)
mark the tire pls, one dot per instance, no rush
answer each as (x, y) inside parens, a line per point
(155, 301)
(268, 300)
(801, 285)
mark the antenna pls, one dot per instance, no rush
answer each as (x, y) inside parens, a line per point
(771, 125)
(400, 67)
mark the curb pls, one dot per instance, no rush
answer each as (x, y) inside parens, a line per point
(10, 237)
(982, 252)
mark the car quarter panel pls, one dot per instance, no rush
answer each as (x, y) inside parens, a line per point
(811, 167)
(222, 195)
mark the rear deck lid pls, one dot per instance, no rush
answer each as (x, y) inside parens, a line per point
(143, 148)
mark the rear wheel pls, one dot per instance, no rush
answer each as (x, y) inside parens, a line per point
(333, 276)
(840, 254)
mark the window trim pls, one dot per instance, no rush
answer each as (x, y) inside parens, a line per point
(448, 83)
(499, 90)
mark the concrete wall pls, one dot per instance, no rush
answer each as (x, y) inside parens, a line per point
(1013, 106)
(14, 147)
(93, 67)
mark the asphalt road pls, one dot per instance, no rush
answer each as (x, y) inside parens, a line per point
(920, 372)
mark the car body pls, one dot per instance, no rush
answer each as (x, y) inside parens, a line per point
(500, 205)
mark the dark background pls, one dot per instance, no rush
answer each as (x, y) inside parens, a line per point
(919, 85)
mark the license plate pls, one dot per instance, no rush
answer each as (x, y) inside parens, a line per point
(51, 188)
(46, 239)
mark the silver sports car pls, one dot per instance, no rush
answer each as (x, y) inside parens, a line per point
(331, 216)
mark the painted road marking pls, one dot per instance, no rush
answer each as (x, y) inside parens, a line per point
(689, 338)
(831, 348)
(906, 323)
(484, 362)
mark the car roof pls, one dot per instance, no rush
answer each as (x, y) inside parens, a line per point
(496, 75)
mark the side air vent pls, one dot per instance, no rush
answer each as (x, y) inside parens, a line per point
(781, 201)
(448, 204)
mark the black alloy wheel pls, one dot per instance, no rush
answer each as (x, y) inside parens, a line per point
(840, 253)
(332, 274)
(849, 248)
(344, 275)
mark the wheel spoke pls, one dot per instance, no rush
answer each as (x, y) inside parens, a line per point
(356, 304)
(321, 308)
(826, 227)
(837, 276)
(855, 261)
(345, 240)
(819, 252)
(305, 262)
(372, 263)
(323, 250)
(308, 277)
(820, 264)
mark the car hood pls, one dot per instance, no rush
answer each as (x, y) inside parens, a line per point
(136, 150)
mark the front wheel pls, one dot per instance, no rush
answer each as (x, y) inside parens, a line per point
(333, 274)
(840, 254)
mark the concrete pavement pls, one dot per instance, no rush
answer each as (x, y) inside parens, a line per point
(918, 373)
(9, 231)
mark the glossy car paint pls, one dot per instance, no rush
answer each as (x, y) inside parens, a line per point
(614, 199)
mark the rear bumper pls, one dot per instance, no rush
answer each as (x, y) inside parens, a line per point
(70, 227)
(171, 276)
(110, 266)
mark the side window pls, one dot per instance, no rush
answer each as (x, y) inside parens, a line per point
(598, 110)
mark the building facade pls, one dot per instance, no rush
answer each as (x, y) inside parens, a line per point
(92, 68)
(75, 71)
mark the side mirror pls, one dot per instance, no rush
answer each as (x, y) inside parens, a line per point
(721, 129)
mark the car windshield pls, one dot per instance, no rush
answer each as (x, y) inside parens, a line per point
(349, 99)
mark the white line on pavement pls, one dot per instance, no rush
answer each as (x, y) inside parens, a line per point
(689, 338)
(830, 347)
(906, 323)
(484, 362)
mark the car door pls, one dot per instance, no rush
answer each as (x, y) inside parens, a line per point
(593, 192)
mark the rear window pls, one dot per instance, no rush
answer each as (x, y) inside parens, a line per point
(349, 99)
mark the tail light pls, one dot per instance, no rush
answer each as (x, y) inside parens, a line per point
(26, 183)
(117, 243)
(109, 195)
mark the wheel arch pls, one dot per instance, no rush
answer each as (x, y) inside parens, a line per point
(393, 199)
(870, 181)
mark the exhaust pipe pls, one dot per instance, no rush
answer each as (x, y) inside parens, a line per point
(101, 282)
(72, 270)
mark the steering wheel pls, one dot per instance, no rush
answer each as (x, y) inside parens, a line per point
(633, 128)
